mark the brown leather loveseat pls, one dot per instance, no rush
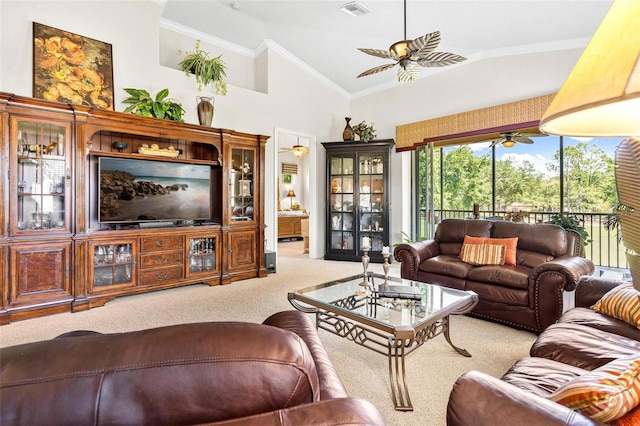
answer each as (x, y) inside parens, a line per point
(275, 373)
(574, 354)
(527, 295)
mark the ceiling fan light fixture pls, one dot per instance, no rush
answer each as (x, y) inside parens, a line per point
(400, 49)
(299, 151)
(508, 143)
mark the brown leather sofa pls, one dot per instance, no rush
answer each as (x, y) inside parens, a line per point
(581, 341)
(275, 373)
(527, 295)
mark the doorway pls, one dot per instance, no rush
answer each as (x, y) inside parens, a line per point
(295, 195)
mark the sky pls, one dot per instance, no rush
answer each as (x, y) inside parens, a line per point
(156, 168)
(543, 149)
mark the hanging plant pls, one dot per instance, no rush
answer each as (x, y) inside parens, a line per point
(206, 69)
(365, 131)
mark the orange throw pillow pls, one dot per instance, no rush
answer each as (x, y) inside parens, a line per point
(509, 244)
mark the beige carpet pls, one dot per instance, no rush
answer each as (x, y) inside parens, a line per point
(432, 369)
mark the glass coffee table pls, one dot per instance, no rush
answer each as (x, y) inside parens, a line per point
(390, 326)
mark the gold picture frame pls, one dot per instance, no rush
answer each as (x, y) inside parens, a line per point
(71, 68)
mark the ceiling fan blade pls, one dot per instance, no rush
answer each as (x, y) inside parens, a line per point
(495, 142)
(379, 53)
(522, 139)
(408, 71)
(439, 59)
(376, 70)
(424, 45)
(534, 135)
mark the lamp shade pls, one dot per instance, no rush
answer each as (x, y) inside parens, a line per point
(601, 96)
(291, 193)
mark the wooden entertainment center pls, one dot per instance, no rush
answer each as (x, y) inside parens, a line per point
(56, 256)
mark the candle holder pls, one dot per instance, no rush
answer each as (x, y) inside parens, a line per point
(386, 267)
(365, 265)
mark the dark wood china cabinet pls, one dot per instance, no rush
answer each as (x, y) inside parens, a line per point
(357, 198)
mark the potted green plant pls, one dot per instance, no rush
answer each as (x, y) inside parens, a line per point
(206, 69)
(364, 131)
(141, 103)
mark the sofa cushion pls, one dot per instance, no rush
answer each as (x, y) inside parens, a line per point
(450, 233)
(510, 245)
(589, 317)
(446, 265)
(531, 259)
(506, 276)
(503, 302)
(537, 237)
(581, 346)
(606, 393)
(622, 302)
(541, 376)
(482, 254)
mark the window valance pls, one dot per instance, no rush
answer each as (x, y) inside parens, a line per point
(474, 126)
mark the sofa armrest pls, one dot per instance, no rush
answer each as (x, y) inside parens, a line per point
(411, 255)
(340, 411)
(571, 267)
(591, 289)
(479, 399)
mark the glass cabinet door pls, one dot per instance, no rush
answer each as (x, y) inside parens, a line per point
(242, 184)
(113, 264)
(202, 255)
(42, 177)
(371, 199)
(342, 210)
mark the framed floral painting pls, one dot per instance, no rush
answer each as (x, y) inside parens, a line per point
(71, 68)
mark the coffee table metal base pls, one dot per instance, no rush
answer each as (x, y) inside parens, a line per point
(395, 342)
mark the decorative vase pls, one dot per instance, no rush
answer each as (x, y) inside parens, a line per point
(347, 134)
(205, 110)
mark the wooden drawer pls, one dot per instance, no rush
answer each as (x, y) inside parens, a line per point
(154, 276)
(160, 243)
(152, 260)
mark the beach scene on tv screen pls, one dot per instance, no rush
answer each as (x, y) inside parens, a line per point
(142, 191)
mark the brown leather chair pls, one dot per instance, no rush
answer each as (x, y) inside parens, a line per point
(273, 373)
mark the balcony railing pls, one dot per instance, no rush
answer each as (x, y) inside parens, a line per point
(604, 249)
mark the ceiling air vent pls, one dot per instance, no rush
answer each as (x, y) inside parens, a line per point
(354, 9)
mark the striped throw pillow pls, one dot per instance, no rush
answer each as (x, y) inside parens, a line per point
(482, 254)
(622, 302)
(604, 394)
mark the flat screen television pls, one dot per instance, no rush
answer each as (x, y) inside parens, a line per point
(138, 190)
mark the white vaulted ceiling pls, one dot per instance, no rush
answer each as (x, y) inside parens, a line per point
(326, 39)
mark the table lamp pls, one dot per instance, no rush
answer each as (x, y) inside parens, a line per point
(601, 98)
(291, 194)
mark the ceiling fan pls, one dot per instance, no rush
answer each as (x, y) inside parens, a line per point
(509, 139)
(297, 150)
(412, 54)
